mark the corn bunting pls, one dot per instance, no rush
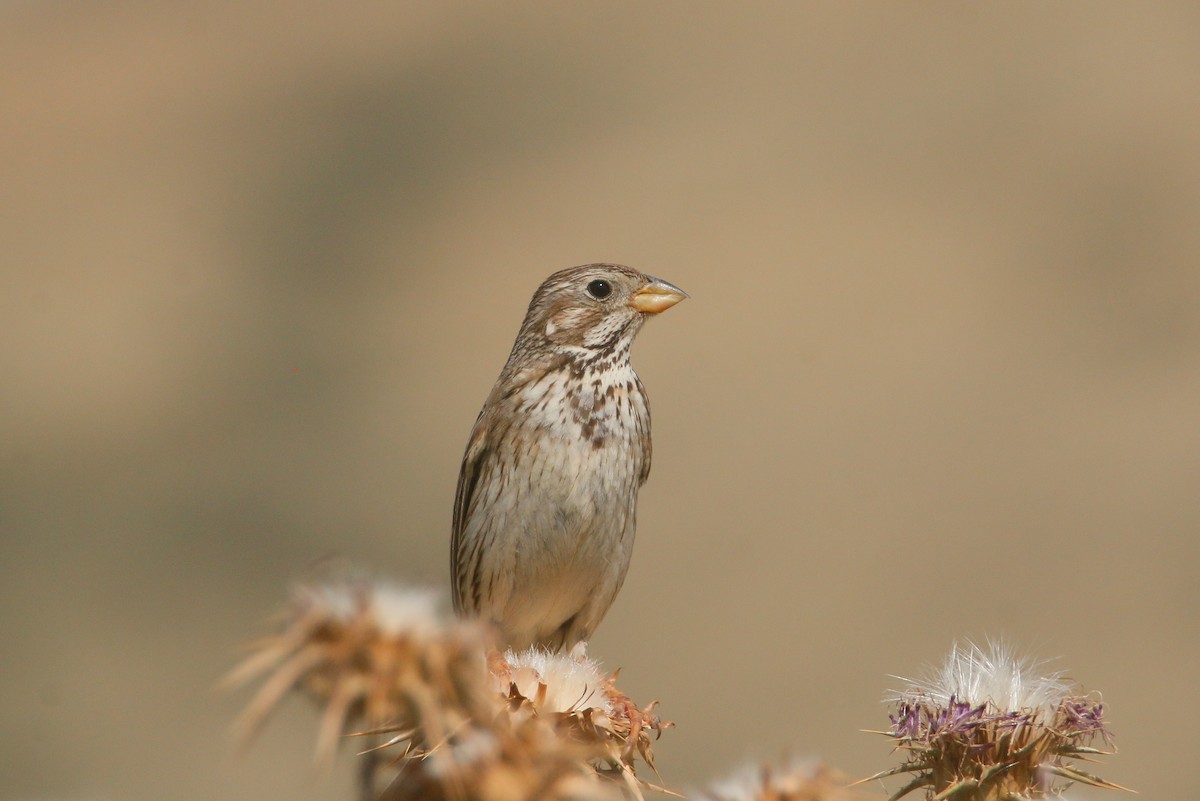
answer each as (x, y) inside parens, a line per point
(547, 495)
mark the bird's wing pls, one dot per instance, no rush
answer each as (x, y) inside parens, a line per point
(643, 429)
(473, 466)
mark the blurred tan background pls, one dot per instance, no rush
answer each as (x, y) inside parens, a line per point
(939, 376)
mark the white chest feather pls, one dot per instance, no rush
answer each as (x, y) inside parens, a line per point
(602, 408)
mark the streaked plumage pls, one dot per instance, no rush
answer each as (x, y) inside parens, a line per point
(546, 505)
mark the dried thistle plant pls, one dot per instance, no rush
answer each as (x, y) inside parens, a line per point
(449, 718)
(570, 694)
(988, 725)
(373, 655)
(507, 760)
(794, 780)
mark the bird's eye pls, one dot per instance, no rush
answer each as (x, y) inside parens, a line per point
(599, 289)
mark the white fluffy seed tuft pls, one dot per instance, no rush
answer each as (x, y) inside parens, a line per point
(393, 609)
(995, 675)
(571, 684)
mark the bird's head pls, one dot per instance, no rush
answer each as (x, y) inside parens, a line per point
(594, 308)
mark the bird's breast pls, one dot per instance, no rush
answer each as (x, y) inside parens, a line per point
(599, 408)
(589, 435)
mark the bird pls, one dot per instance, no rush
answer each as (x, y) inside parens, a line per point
(546, 505)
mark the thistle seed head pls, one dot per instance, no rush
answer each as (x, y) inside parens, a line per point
(989, 724)
(793, 780)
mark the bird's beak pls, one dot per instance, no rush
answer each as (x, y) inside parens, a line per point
(656, 296)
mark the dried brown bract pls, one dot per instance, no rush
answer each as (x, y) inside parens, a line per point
(373, 656)
(512, 759)
(571, 694)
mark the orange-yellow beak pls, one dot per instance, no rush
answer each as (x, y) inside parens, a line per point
(656, 296)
